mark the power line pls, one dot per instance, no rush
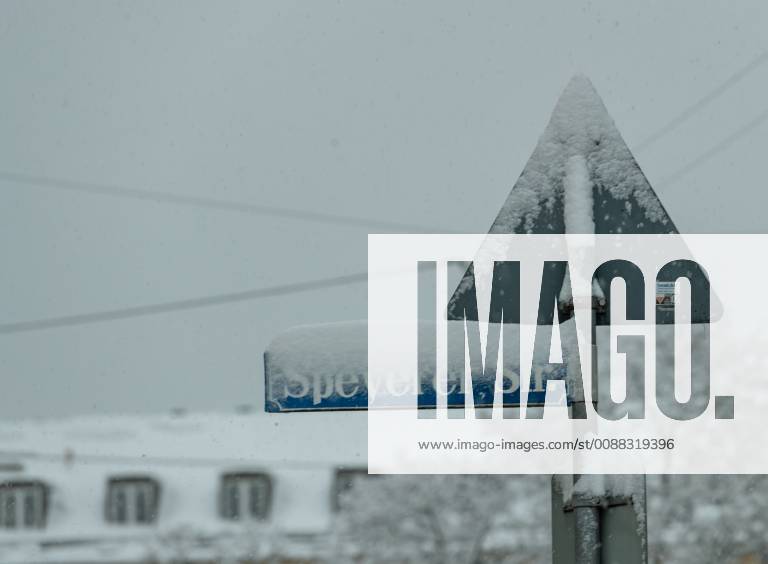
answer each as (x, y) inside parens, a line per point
(163, 197)
(287, 289)
(297, 287)
(724, 144)
(711, 95)
(179, 305)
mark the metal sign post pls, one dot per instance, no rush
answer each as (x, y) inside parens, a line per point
(582, 156)
(589, 529)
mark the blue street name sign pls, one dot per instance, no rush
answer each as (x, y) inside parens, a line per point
(304, 374)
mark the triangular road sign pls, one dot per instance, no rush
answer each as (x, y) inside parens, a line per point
(622, 198)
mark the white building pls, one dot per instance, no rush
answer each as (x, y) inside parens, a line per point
(242, 487)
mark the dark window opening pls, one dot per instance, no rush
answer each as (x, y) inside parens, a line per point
(245, 495)
(132, 500)
(23, 504)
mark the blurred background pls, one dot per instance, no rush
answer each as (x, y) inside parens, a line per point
(180, 182)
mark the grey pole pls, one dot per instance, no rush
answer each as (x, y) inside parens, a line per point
(595, 530)
(586, 507)
(587, 515)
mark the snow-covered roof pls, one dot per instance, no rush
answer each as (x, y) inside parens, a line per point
(187, 455)
(250, 437)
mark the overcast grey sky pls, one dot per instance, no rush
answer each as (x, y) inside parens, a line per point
(417, 112)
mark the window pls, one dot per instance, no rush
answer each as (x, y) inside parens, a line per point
(345, 480)
(23, 504)
(132, 499)
(245, 495)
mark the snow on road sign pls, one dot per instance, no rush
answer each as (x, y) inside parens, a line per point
(325, 368)
(582, 156)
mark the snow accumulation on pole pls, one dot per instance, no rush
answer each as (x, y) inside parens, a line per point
(577, 195)
(578, 206)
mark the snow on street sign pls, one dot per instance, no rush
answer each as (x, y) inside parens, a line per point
(325, 368)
